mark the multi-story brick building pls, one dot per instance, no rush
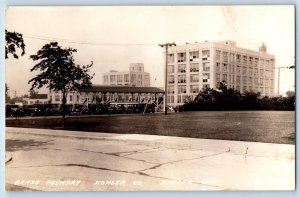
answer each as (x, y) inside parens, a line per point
(136, 76)
(192, 67)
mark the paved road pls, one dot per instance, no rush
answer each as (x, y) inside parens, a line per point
(56, 160)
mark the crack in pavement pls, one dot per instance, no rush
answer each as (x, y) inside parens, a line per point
(116, 155)
(182, 160)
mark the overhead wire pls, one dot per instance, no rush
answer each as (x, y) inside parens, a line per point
(86, 42)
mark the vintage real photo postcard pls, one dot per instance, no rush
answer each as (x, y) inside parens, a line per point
(150, 98)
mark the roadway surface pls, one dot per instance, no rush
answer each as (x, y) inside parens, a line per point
(57, 160)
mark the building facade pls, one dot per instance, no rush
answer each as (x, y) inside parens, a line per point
(136, 76)
(110, 94)
(192, 67)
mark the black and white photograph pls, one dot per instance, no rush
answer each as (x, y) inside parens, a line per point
(150, 98)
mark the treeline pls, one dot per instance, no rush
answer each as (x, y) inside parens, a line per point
(229, 99)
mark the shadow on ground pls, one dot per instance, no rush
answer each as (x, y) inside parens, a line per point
(25, 145)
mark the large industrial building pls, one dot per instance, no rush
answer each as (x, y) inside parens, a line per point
(135, 77)
(192, 67)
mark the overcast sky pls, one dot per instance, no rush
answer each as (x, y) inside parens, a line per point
(114, 37)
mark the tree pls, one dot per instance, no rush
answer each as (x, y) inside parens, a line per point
(13, 40)
(33, 93)
(7, 98)
(290, 93)
(59, 72)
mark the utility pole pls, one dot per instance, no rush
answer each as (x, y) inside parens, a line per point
(166, 73)
(278, 80)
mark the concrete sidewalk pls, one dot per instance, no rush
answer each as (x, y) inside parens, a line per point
(54, 160)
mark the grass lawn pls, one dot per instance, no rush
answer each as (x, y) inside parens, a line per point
(254, 126)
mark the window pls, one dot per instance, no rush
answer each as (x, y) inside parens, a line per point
(126, 77)
(232, 79)
(140, 77)
(194, 78)
(194, 67)
(194, 89)
(71, 98)
(178, 99)
(181, 89)
(133, 78)
(205, 53)
(172, 99)
(250, 59)
(238, 69)
(218, 66)
(119, 78)
(244, 71)
(255, 72)
(244, 80)
(181, 68)
(112, 79)
(225, 67)
(205, 66)
(181, 79)
(250, 71)
(261, 81)
(171, 79)
(171, 89)
(105, 79)
(206, 76)
(231, 58)
(238, 80)
(206, 86)
(250, 80)
(218, 78)
(245, 59)
(181, 57)
(225, 56)
(194, 56)
(170, 58)
(218, 55)
(170, 68)
(225, 77)
(57, 98)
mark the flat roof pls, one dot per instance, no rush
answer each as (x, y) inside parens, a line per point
(123, 89)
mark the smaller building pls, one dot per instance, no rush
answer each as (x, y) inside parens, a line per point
(111, 94)
(135, 77)
(37, 99)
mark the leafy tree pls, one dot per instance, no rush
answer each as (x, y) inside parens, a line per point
(13, 40)
(290, 93)
(33, 93)
(7, 98)
(59, 72)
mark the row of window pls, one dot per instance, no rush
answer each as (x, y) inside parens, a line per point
(193, 78)
(193, 68)
(224, 56)
(193, 56)
(120, 78)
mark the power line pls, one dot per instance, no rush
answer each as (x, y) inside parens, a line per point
(45, 38)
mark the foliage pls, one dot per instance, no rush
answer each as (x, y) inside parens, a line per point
(13, 40)
(7, 98)
(58, 71)
(229, 99)
(33, 93)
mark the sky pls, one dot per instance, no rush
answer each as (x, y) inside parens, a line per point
(114, 37)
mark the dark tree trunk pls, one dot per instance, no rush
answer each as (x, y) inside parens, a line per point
(64, 101)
